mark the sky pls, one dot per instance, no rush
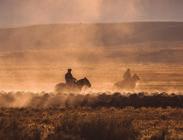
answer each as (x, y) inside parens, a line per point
(28, 12)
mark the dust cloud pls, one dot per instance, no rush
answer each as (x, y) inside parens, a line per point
(73, 11)
(36, 58)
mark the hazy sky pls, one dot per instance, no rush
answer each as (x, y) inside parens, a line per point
(26, 12)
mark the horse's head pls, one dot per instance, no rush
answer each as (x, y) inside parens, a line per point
(86, 82)
(136, 77)
(83, 82)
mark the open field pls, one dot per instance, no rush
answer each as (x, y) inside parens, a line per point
(36, 58)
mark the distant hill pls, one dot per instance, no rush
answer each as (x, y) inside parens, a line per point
(90, 34)
(141, 42)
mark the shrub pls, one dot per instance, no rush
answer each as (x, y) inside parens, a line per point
(94, 127)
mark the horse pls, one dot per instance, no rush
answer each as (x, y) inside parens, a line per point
(128, 84)
(77, 87)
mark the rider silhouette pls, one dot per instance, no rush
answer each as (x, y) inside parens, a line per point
(70, 80)
(127, 75)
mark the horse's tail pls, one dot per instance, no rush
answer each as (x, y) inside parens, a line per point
(59, 87)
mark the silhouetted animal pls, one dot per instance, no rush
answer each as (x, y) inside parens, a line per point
(64, 88)
(128, 84)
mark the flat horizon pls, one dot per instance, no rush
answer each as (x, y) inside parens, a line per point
(86, 23)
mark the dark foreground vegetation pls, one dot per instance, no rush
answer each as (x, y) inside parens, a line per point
(91, 124)
(28, 116)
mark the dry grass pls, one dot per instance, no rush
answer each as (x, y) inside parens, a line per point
(91, 124)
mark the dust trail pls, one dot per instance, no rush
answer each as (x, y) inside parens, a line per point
(90, 99)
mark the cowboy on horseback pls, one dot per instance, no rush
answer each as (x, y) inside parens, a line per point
(129, 81)
(72, 84)
(70, 80)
